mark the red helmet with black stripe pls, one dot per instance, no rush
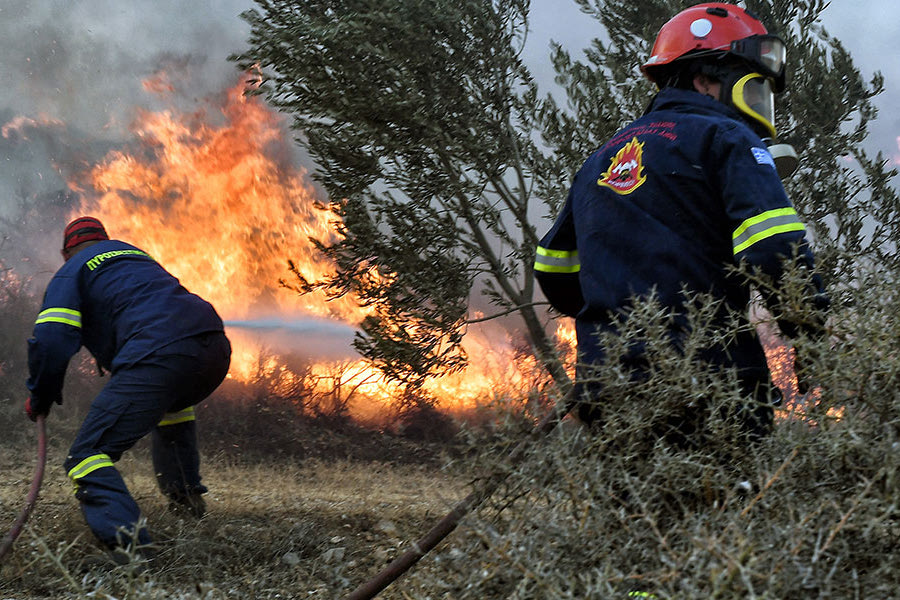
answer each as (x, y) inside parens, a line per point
(83, 229)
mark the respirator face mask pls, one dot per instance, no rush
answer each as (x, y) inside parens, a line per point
(752, 95)
(751, 71)
(750, 87)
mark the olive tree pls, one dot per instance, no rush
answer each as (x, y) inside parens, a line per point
(442, 158)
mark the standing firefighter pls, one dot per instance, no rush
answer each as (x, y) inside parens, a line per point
(165, 349)
(677, 198)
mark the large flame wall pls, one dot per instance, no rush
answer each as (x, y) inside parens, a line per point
(215, 198)
(219, 206)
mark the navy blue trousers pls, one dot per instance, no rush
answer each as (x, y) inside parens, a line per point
(155, 396)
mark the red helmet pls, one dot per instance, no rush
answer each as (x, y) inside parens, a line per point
(83, 229)
(715, 29)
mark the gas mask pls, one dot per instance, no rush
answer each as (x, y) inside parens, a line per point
(752, 96)
(753, 93)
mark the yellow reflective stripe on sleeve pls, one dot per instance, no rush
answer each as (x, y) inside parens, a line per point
(556, 261)
(60, 315)
(765, 225)
(182, 416)
(89, 465)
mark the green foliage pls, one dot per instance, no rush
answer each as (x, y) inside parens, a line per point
(420, 118)
(409, 335)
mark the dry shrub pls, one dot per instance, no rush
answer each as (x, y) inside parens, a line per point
(248, 424)
(809, 512)
(17, 313)
(19, 306)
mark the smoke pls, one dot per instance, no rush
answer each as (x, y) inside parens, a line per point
(74, 72)
(85, 62)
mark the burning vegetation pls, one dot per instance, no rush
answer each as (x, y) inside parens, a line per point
(217, 198)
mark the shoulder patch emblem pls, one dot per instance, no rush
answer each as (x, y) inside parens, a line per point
(763, 157)
(625, 173)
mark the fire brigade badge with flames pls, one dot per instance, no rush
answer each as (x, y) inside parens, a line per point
(625, 173)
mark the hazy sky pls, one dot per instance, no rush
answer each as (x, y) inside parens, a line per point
(82, 63)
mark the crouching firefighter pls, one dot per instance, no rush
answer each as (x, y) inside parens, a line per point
(165, 350)
(678, 198)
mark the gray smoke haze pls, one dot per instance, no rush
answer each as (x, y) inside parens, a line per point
(81, 66)
(73, 76)
(83, 62)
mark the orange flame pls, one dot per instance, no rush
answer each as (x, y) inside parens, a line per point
(222, 207)
(780, 358)
(19, 124)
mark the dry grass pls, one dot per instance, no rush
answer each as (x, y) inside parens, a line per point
(285, 530)
(584, 516)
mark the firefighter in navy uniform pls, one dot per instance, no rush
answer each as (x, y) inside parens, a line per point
(680, 194)
(165, 350)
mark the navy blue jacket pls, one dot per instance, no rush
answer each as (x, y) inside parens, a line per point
(666, 205)
(119, 303)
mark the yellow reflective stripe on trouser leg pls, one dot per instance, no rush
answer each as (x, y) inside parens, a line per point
(89, 465)
(765, 225)
(556, 261)
(60, 315)
(182, 416)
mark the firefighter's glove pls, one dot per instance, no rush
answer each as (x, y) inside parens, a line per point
(34, 408)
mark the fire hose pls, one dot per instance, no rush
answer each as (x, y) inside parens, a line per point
(442, 529)
(30, 501)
